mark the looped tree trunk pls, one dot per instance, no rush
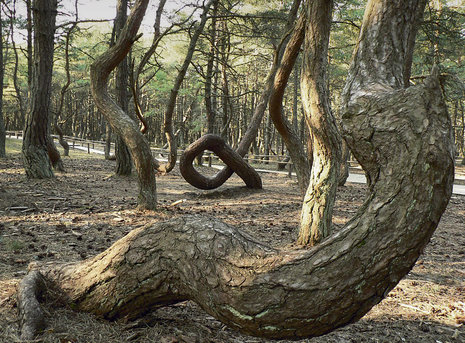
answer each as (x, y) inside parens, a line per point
(231, 158)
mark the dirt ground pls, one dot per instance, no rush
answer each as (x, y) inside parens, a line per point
(83, 211)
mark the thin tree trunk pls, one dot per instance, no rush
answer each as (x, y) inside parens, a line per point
(210, 112)
(2, 72)
(168, 118)
(302, 162)
(123, 156)
(120, 122)
(316, 215)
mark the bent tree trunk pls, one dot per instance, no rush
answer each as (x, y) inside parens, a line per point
(223, 175)
(294, 293)
(120, 122)
(402, 137)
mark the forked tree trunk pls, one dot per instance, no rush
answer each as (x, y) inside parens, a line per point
(35, 156)
(120, 122)
(402, 137)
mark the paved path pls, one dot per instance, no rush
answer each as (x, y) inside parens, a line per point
(353, 177)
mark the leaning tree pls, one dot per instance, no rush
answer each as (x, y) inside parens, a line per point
(402, 138)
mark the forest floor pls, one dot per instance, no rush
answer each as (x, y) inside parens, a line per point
(83, 211)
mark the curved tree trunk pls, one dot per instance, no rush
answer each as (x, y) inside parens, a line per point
(317, 208)
(120, 122)
(291, 293)
(231, 158)
(168, 118)
(401, 137)
(259, 111)
(302, 161)
(61, 139)
(122, 154)
(2, 72)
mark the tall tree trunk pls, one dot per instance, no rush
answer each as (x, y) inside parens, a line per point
(120, 122)
(210, 112)
(302, 161)
(316, 215)
(35, 156)
(168, 118)
(2, 72)
(123, 156)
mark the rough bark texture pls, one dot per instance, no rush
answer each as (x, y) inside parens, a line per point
(231, 158)
(54, 155)
(291, 293)
(120, 122)
(401, 137)
(122, 154)
(35, 157)
(64, 144)
(317, 208)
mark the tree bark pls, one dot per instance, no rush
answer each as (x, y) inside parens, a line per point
(293, 293)
(120, 122)
(35, 157)
(295, 147)
(316, 215)
(210, 112)
(401, 136)
(231, 158)
(122, 154)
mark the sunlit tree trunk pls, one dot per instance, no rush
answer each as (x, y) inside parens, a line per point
(120, 122)
(315, 223)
